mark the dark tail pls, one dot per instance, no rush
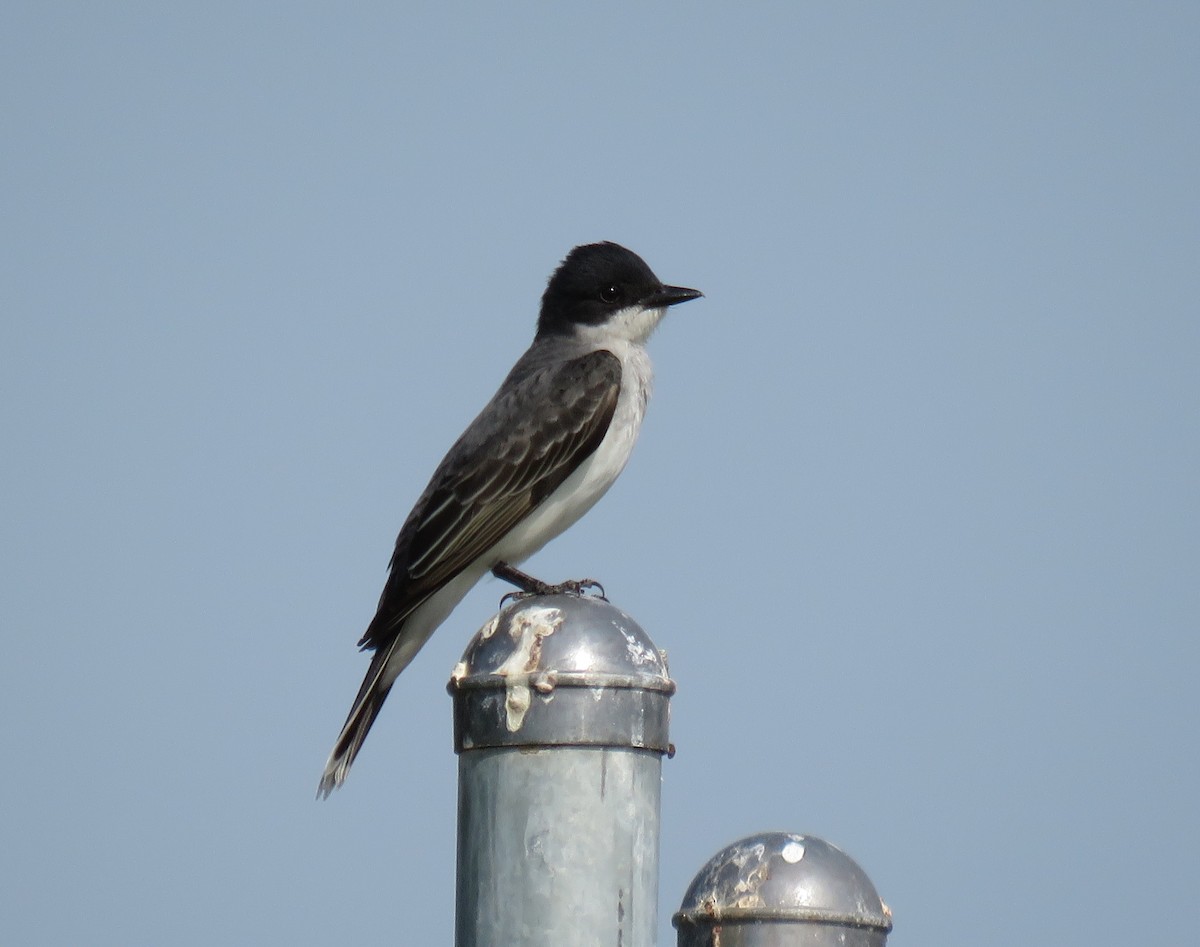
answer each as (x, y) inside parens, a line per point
(366, 708)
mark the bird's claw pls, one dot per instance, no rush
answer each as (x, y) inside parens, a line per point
(579, 587)
(528, 586)
(570, 587)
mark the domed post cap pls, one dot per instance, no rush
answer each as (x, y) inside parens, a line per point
(561, 670)
(780, 889)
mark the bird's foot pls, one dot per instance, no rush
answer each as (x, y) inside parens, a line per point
(528, 586)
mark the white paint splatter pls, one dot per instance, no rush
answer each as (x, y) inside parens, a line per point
(527, 631)
(792, 852)
(490, 628)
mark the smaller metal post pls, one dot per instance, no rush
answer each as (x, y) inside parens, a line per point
(782, 890)
(560, 723)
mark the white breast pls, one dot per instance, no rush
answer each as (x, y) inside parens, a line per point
(589, 482)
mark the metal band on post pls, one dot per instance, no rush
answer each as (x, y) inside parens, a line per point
(561, 709)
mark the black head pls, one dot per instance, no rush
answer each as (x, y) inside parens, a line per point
(596, 281)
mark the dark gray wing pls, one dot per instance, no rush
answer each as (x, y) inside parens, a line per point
(529, 439)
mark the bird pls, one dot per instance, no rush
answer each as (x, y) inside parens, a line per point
(550, 442)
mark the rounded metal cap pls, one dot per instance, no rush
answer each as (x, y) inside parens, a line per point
(758, 889)
(561, 670)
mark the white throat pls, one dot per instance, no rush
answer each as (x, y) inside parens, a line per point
(631, 324)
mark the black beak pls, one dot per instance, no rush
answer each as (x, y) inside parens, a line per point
(669, 296)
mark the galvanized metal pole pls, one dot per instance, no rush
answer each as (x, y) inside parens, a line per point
(782, 890)
(561, 708)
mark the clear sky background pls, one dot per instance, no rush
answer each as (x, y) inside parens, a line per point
(915, 509)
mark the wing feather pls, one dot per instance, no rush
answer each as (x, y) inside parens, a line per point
(529, 439)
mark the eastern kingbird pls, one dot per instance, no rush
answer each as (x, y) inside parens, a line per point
(548, 445)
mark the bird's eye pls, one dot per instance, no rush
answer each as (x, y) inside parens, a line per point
(610, 294)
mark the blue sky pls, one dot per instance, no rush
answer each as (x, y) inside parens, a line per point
(915, 508)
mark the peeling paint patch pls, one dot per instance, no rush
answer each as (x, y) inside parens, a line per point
(746, 892)
(742, 889)
(637, 650)
(532, 625)
(490, 628)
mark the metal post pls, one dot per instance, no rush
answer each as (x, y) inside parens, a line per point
(782, 890)
(561, 707)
